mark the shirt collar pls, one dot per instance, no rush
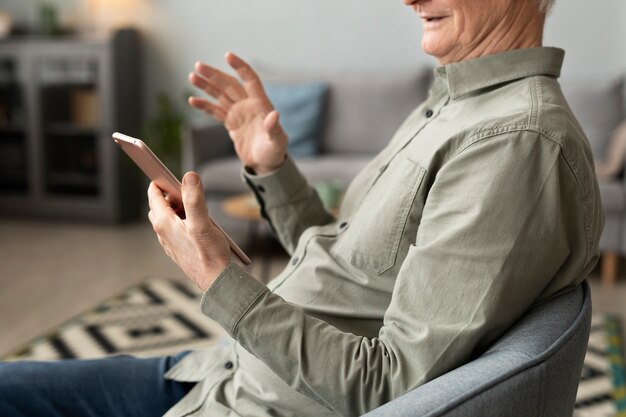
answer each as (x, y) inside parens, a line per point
(468, 76)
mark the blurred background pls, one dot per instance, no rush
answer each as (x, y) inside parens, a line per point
(348, 35)
(72, 209)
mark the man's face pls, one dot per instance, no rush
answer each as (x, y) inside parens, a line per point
(455, 28)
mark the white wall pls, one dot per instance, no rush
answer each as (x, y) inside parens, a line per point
(348, 35)
(592, 34)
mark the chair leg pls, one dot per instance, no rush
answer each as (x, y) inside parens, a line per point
(609, 268)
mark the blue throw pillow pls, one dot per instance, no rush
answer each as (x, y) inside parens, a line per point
(301, 109)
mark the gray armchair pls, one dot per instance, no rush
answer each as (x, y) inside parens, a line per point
(531, 371)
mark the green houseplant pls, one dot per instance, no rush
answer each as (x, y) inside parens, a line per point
(163, 133)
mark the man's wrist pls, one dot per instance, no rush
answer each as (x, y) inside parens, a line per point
(230, 296)
(212, 275)
(264, 170)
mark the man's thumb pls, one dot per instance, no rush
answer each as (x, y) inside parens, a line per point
(271, 124)
(193, 198)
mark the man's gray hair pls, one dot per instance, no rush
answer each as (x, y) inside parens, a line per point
(546, 5)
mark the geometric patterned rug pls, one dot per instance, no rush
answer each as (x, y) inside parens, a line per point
(602, 388)
(162, 316)
(158, 317)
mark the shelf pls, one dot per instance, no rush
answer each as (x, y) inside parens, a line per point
(69, 71)
(8, 187)
(13, 181)
(8, 81)
(58, 100)
(72, 183)
(70, 129)
(70, 107)
(6, 172)
(13, 160)
(12, 129)
(74, 179)
(68, 84)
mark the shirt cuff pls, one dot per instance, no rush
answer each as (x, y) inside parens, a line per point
(278, 188)
(230, 297)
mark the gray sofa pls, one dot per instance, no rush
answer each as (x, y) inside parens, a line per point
(600, 108)
(361, 115)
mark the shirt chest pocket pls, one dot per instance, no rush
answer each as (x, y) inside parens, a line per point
(386, 218)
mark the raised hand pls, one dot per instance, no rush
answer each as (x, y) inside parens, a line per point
(248, 115)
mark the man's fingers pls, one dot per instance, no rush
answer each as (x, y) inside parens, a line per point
(160, 210)
(195, 205)
(229, 84)
(244, 70)
(206, 106)
(156, 200)
(251, 81)
(211, 89)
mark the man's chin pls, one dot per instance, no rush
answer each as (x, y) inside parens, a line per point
(433, 48)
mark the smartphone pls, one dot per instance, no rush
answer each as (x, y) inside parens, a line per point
(152, 166)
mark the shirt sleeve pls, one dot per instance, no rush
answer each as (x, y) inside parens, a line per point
(491, 239)
(288, 203)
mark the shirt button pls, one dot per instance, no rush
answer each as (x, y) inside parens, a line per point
(429, 113)
(343, 225)
(228, 365)
(261, 188)
(295, 260)
(382, 168)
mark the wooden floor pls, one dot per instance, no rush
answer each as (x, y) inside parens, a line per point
(50, 272)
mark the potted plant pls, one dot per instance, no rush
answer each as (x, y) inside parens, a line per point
(163, 133)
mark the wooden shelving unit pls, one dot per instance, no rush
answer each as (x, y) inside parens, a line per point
(60, 101)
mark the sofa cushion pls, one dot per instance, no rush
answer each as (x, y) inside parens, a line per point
(301, 107)
(223, 176)
(363, 111)
(599, 107)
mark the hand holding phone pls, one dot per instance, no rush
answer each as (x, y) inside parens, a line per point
(152, 166)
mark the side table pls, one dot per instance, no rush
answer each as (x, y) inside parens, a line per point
(245, 207)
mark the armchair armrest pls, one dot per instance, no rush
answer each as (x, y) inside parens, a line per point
(204, 142)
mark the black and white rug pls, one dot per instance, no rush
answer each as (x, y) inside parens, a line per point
(162, 316)
(602, 388)
(159, 317)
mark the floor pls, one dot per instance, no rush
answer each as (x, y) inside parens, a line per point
(50, 272)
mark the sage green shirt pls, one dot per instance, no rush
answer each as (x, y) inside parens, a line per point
(484, 203)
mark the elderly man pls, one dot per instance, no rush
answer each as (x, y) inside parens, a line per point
(483, 204)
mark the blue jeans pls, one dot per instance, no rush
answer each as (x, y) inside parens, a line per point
(116, 386)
